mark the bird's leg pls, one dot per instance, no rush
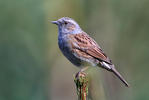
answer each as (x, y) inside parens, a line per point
(83, 69)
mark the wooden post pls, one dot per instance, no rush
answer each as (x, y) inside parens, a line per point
(82, 84)
(88, 85)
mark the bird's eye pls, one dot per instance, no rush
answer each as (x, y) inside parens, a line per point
(65, 23)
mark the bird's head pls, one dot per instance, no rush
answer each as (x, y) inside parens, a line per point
(67, 25)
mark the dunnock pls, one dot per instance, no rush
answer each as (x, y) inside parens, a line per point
(80, 49)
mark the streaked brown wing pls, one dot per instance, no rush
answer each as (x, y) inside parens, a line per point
(87, 45)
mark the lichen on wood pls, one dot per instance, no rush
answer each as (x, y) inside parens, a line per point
(82, 85)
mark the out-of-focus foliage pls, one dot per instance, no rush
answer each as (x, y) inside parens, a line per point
(33, 68)
(22, 50)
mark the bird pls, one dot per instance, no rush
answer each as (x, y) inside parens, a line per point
(80, 49)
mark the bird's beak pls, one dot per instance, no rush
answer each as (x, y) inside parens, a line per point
(55, 22)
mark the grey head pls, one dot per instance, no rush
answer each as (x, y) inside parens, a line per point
(67, 25)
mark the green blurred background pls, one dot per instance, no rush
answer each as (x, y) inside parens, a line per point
(33, 68)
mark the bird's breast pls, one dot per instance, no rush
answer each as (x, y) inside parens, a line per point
(65, 47)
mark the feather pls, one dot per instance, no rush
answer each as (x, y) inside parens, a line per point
(87, 45)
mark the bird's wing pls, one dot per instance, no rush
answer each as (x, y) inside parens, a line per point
(83, 43)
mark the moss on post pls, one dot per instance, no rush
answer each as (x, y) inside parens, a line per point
(88, 85)
(82, 85)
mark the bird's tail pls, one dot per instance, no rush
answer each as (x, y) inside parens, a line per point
(112, 69)
(119, 76)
